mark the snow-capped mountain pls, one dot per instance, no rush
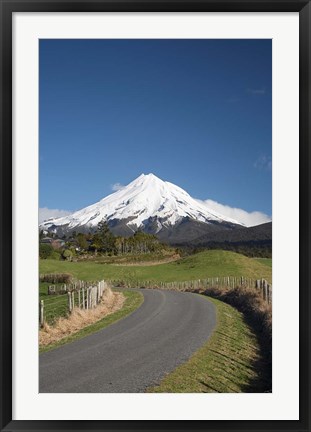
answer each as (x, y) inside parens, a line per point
(147, 203)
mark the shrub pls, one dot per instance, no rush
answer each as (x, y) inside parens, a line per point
(55, 255)
(67, 254)
(56, 278)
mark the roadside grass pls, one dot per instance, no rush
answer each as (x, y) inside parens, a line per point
(202, 265)
(227, 363)
(133, 300)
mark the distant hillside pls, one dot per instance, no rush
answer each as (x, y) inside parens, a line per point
(253, 241)
(188, 230)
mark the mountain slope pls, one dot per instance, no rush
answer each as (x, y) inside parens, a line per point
(252, 241)
(150, 204)
(259, 233)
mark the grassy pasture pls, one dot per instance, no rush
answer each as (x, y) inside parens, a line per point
(206, 264)
(265, 261)
(134, 258)
(55, 305)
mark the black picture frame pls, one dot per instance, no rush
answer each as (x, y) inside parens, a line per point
(7, 9)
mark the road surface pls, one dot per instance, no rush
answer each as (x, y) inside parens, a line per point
(135, 352)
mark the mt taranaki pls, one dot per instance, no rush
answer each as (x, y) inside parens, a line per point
(149, 204)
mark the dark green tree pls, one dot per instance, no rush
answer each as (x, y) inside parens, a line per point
(45, 250)
(81, 241)
(103, 239)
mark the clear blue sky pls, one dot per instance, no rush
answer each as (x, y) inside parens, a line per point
(194, 112)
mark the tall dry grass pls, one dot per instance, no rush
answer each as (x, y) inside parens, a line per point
(80, 318)
(249, 302)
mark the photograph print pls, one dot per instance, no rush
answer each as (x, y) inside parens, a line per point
(155, 216)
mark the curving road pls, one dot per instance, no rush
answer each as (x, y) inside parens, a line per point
(135, 352)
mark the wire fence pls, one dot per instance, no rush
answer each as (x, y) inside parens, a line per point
(81, 294)
(200, 285)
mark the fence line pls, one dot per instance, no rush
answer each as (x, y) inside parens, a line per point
(80, 294)
(200, 285)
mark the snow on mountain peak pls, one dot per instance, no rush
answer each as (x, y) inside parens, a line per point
(145, 197)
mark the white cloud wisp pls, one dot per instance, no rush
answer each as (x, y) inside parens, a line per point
(247, 218)
(46, 213)
(117, 186)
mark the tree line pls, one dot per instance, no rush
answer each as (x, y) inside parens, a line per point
(102, 241)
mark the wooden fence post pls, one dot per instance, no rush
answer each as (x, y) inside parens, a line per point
(69, 302)
(41, 313)
(263, 289)
(268, 294)
(266, 291)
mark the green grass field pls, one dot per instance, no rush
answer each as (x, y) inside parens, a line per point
(225, 364)
(132, 258)
(206, 264)
(55, 306)
(265, 261)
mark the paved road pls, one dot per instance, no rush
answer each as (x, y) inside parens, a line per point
(135, 352)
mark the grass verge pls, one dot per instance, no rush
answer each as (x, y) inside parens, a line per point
(227, 363)
(133, 300)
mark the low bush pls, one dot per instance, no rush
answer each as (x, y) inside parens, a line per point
(55, 278)
(67, 254)
(56, 255)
